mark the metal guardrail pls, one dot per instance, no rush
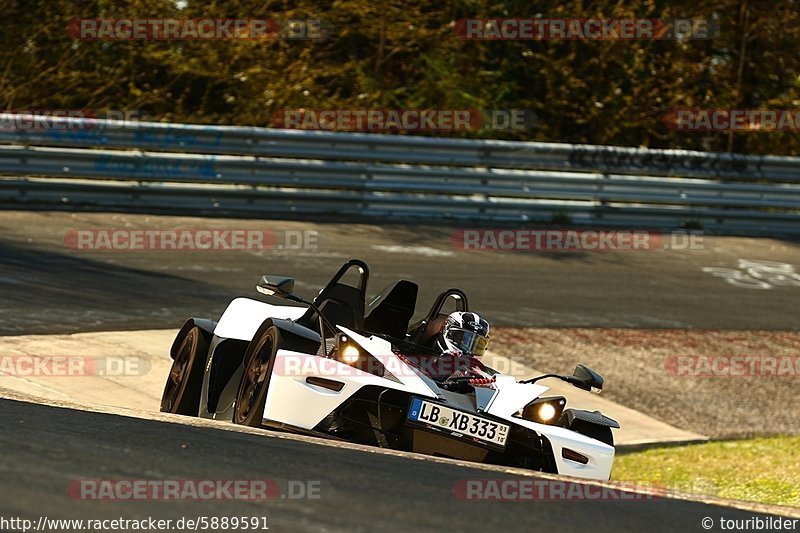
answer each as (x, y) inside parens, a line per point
(267, 172)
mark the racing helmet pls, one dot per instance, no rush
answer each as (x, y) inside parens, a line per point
(466, 332)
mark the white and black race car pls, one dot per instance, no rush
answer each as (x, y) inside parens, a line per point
(339, 368)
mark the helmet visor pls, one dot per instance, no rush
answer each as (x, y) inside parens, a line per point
(468, 341)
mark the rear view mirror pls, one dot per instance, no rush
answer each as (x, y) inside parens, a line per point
(276, 286)
(584, 378)
(587, 379)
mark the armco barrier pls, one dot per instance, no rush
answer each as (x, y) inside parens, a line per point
(99, 164)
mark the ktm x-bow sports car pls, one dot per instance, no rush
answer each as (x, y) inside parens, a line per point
(339, 368)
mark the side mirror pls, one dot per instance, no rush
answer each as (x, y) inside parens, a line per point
(276, 286)
(585, 378)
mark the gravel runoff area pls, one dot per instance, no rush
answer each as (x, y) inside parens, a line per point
(647, 370)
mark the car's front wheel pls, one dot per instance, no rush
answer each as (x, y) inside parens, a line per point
(185, 381)
(258, 362)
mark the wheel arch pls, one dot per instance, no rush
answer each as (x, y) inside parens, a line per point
(205, 325)
(293, 336)
(228, 359)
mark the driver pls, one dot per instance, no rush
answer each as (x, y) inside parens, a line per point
(465, 336)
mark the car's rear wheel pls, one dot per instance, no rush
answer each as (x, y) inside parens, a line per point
(258, 362)
(185, 381)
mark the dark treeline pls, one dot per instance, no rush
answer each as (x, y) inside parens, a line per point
(395, 55)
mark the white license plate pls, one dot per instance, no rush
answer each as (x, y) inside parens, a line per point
(458, 423)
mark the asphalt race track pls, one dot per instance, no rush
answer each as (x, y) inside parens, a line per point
(47, 287)
(45, 447)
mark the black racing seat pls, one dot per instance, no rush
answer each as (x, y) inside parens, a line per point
(390, 312)
(428, 336)
(340, 304)
(424, 332)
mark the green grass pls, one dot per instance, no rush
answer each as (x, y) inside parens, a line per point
(764, 470)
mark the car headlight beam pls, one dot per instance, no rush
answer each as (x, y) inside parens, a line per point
(349, 354)
(347, 351)
(544, 410)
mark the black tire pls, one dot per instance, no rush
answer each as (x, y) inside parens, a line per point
(185, 381)
(259, 359)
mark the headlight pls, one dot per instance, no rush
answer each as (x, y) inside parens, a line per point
(349, 354)
(346, 351)
(544, 410)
